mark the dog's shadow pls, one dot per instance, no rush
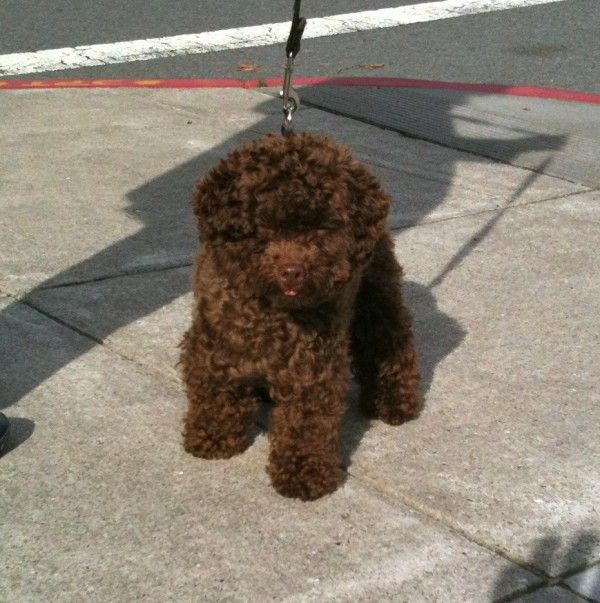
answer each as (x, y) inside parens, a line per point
(437, 335)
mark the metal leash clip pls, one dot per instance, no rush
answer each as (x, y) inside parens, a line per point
(291, 100)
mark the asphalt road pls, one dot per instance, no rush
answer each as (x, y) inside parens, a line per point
(550, 45)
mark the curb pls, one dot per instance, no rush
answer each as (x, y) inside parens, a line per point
(540, 92)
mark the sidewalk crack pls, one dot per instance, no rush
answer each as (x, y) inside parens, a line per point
(544, 580)
(107, 277)
(147, 369)
(59, 321)
(490, 211)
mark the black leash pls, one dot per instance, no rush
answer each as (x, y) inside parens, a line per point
(291, 100)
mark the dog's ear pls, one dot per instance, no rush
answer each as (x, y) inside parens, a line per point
(221, 206)
(368, 207)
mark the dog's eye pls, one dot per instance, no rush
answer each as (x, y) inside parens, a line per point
(234, 235)
(331, 224)
(237, 235)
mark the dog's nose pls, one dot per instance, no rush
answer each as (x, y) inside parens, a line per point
(291, 277)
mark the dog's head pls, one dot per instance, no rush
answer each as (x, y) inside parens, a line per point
(291, 218)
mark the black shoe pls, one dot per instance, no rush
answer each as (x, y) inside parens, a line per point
(4, 429)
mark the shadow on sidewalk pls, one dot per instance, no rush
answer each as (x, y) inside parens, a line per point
(436, 334)
(20, 431)
(163, 205)
(561, 557)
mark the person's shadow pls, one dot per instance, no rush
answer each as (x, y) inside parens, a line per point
(28, 349)
(565, 562)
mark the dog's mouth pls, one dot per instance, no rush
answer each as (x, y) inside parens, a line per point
(292, 297)
(312, 291)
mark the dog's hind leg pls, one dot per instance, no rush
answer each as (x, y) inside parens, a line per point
(384, 360)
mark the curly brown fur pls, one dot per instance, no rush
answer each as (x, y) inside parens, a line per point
(295, 273)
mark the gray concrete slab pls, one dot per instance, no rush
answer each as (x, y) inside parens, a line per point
(508, 446)
(587, 583)
(116, 199)
(558, 138)
(123, 164)
(101, 503)
(103, 183)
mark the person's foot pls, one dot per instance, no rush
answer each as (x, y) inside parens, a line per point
(4, 428)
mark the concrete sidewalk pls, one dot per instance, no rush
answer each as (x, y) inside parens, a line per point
(491, 495)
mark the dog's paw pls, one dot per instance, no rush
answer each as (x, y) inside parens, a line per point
(396, 415)
(393, 410)
(200, 444)
(303, 476)
(400, 410)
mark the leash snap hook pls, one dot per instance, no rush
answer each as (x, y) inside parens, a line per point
(291, 99)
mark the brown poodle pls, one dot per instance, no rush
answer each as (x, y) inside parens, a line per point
(296, 273)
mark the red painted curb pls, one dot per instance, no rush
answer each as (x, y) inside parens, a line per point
(380, 82)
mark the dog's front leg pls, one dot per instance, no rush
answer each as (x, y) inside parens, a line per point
(220, 409)
(305, 429)
(217, 419)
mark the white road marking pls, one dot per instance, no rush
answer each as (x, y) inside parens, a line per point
(246, 37)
